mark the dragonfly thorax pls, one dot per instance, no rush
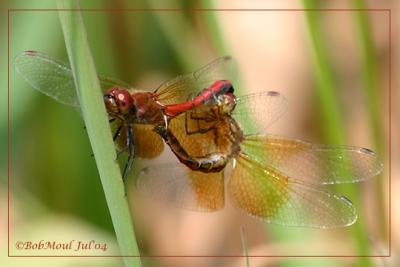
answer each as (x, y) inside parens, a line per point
(138, 107)
(147, 109)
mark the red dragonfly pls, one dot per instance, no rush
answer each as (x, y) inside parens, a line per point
(136, 113)
(277, 179)
(274, 178)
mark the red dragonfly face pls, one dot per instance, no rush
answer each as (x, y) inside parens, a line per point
(118, 101)
(274, 178)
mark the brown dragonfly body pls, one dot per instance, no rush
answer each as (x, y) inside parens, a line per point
(144, 108)
(227, 136)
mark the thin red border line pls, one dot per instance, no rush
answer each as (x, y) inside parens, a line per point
(390, 130)
(200, 256)
(197, 9)
(212, 256)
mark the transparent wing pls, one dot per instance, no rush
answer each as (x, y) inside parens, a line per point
(182, 87)
(317, 164)
(53, 78)
(182, 187)
(267, 194)
(256, 112)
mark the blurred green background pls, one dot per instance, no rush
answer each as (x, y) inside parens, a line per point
(331, 67)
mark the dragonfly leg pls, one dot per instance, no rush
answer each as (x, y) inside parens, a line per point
(213, 162)
(194, 115)
(131, 148)
(119, 152)
(114, 138)
(188, 132)
(197, 122)
(200, 129)
(162, 129)
(117, 132)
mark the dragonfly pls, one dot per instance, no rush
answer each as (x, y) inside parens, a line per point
(274, 178)
(134, 113)
(277, 179)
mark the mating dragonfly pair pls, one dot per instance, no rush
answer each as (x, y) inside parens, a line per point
(274, 178)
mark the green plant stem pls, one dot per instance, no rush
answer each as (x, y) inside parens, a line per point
(370, 72)
(330, 113)
(98, 128)
(214, 29)
(245, 245)
(178, 32)
(372, 99)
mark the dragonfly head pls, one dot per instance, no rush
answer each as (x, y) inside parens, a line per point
(226, 103)
(118, 101)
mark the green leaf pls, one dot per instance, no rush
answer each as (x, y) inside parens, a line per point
(98, 129)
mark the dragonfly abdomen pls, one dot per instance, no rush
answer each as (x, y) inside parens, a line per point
(209, 94)
(213, 162)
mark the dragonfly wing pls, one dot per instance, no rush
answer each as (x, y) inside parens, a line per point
(256, 112)
(54, 78)
(196, 144)
(48, 76)
(183, 87)
(267, 194)
(148, 144)
(182, 187)
(317, 164)
(108, 82)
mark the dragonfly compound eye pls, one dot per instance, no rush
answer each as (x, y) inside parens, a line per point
(118, 101)
(226, 103)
